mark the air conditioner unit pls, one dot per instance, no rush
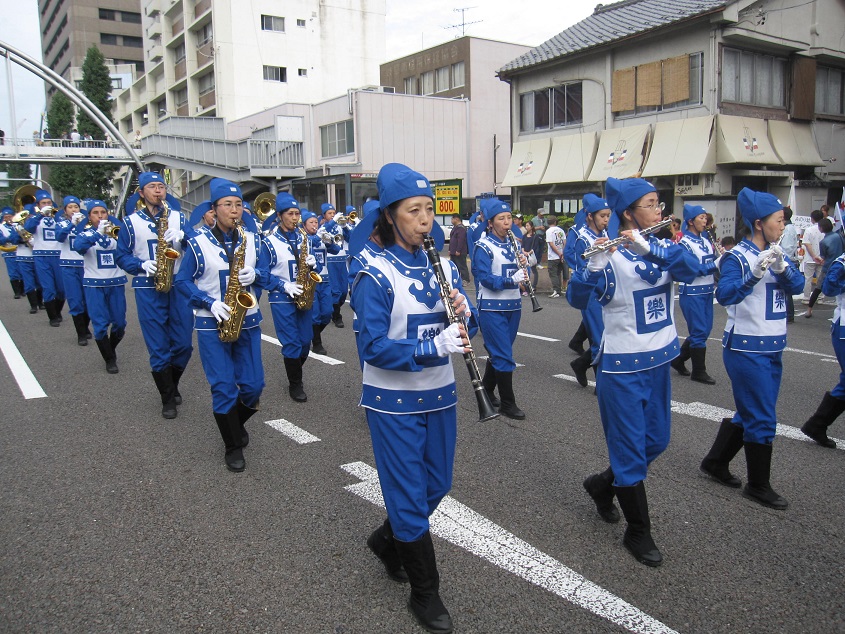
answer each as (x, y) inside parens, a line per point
(200, 108)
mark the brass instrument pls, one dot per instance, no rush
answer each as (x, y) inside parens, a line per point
(305, 277)
(264, 205)
(111, 230)
(517, 249)
(342, 220)
(236, 298)
(24, 195)
(486, 411)
(18, 220)
(48, 211)
(606, 246)
(166, 255)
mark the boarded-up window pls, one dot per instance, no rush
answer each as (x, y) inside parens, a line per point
(649, 84)
(802, 102)
(622, 91)
(676, 79)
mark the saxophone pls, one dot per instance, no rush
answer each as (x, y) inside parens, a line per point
(166, 255)
(305, 277)
(237, 299)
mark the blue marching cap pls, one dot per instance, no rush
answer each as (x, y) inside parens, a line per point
(370, 206)
(397, 182)
(306, 215)
(691, 212)
(325, 207)
(69, 200)
(350, 209)
(132, 203)
(247, 206)
(199, 211)
(623, 193)
(220, 188)
(30, 207)
(173, 202)
(94, 202)
(580, 219)
(492, 207)
(593, 203)
(249, 222)
(269, 221)
(7, 211)
(145, 178)
(42, 194)
(285, 200)
(757, 205)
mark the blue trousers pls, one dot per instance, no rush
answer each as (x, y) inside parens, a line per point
(167, 325)
(50, 276)
(72, 280)
(498, 327)
(321, 312)
(12, 266)
(594, 322)
(28, 275)
(839, 349)
(635, 413)
(698, 313)
(415, 455)
(293, 329)
(338, 276)
(755, 380)
(106, 307)
(234, 370)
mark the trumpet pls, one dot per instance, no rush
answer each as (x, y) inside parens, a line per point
(111, 230)
(48, 211)
(610, 244)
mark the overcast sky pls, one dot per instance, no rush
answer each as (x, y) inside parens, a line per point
(411, 25)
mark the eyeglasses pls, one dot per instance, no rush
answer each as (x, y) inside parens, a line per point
(230, 205)
(660, 206)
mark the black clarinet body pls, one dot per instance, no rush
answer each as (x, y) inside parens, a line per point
(486, 411)
(535, 303)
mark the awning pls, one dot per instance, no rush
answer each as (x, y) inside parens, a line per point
(794, 143)
(571, 158)
(743, 140)
(683, 146)
(620, 153)
(528, 163)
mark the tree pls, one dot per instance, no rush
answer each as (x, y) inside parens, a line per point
(60, 116)
(13, 171)
(96, 85)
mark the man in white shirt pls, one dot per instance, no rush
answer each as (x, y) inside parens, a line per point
(555, 239)
(812, 255)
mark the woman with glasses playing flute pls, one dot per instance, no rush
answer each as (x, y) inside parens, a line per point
(634, 285)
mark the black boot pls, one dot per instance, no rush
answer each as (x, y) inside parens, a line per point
(576, 344)
(699, 368)
(16, 288)
(489, 383)
(244, 414)
(60, 306)
(600, 488)
(293, 368)
(816, 428)
(81, 330)
(508, 406)
(382, 544)
(52, 313)
(637, 538)
(759, 461)
(164, 382)
(176, 373)
(115, 337)
(40, 293)
(337, 318)
(87, 323)
(108, 355)
(32, 296)
(581, 365)
(317, 339)
(229, 427)
(727, 444)
(421, 566)
(679, 361)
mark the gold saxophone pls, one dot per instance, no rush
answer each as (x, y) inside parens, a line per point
(237, 299)
(166, 255)
(305, 277)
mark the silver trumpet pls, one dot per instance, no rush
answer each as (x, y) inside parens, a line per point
(606, 246)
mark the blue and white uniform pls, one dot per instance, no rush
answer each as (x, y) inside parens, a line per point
(592, 315)
(72, 264)
(46, 250)
(834, 286)
(338, 273)
(324, 292)
(26, 261)
(103, 283)
(696, 298)
(9, 237)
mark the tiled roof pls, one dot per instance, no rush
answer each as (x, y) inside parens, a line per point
(613, 22)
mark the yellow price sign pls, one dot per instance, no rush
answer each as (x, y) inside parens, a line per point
(447, 199)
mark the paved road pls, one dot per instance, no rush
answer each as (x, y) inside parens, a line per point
(115, 520)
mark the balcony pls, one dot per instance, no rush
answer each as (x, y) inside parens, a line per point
(201, 7)
(155, 53)
(178, 26)
(207, 100)
(154, 30)
(180, 70)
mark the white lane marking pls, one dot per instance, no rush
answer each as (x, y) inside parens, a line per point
(525, 334)
(713, 413)
(313, 355)
(292, 431)
(467, 529)
(28, 384)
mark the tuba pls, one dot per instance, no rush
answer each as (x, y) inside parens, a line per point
(237, 298)
(24, 195)
(263, 206)
(305, 277)
(166, 255)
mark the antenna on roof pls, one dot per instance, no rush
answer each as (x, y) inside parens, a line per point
(462, 26)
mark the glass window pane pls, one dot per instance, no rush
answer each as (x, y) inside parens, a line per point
(458, 78)
(778, 82)
(696, 61)
(763, 81)
(834, 92)
(428, 83)
(559, 106)
(730, 75)
(442, 79)
(526, 112)
(410, 86)
(350, 137)
(574, 104)
(746, 78)
(821, 89)
(324, 141)
(541, 109)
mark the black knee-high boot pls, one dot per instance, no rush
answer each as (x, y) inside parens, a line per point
(40, 293)
(576, 344)
(229, 427)
(176, 373)
(244, 414)
(381, 542)
(337, 318)
(489, 383)
(16, 288)
(758, 458)
(425, 602)
(600, 488)
(828, 411)
(81, 329)
(87, 323)
(53, 313)
(60, 306)
(637, 538)
(727, 444)
(699, 367)
(164, 382)
(580, 366)
(32, 297)
(317, 338)
(108, 355)
(679, 361)
(508, 407)
(293, 368)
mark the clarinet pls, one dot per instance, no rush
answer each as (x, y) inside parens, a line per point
(485, 406)
(535, 304)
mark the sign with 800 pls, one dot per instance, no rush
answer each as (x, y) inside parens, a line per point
(447, 197)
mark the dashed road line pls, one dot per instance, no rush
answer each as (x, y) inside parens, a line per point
(28, 384)
(319, 357)
(297, 434)
(525, 334)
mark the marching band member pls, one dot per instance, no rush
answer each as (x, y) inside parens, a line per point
(696, 298)
(8, 240)
(202, 219)
(26, 265)
(322, 246)
(576, 343)
(278, 269)
(360, 257)
(634, 286)
(409, 391)
(233, 369)
(68, 227)
(46, 250)
(165, 317)
(497, 276)
(754, 279)
(338, 272)
(103, 282)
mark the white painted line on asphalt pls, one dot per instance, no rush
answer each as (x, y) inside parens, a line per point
(313, 355)
(28, 384)
(292, 431)
(467, 529)
(525, 334)
(567, 377)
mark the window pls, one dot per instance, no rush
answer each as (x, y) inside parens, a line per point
(300, 23)
(829, 90)
(205, 84)
(108, 14)
(272, 23)
(303, 72)
(129, 16)
(458, 75)
(108, 38)
(551, 107)
(337, 139)
(441, 79)
(753, 78)
(179, 53)
(427, 82)
(134, 42)
(181, 97)
(410, 86)
(204, 34)
(566, 105)
(671, 83)
(117, 83)
(275, 73)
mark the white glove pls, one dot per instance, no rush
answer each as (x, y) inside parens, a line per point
(246, 275)
(101, 228)
(779, 265)
(765, 259)
(519, 276)
(174, 235)
(220, 310)
(449, 341)
(532, 259)
(77, 217)
(293, 289)
(150, 267)
(326, 237)
(460, 298)
(639, 244)
(598, 262)
(311, 261)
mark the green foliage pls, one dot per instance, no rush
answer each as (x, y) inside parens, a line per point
(60, 116)
(14, 170)
(96, 85)
(84, 181)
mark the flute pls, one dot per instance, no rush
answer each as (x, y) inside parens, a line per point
(606, 246)
(535, 304)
